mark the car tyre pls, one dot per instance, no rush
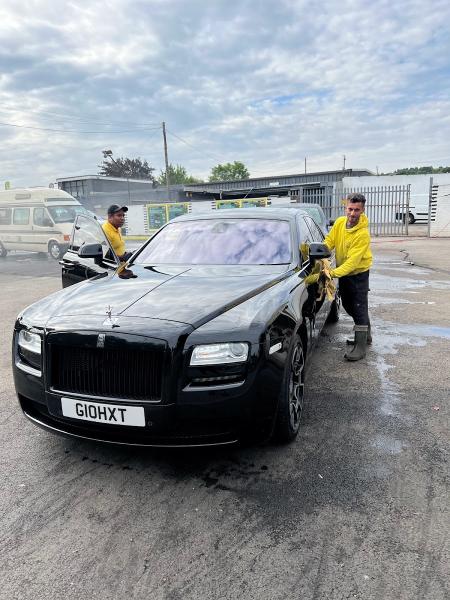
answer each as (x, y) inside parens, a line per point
(54, 249)
(3, 251)
(291, 400)
(334, 314)
(411, 219)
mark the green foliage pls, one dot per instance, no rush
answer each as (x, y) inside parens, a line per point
(177, 174)
(127, 167)
(420, 171)
(229, 171)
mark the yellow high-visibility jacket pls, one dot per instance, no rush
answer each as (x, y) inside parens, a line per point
(352, 246)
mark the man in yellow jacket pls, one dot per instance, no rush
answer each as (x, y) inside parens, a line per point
(350, 238)
(116, 219)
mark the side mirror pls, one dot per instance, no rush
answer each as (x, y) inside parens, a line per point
(94, 251)
(317, 251)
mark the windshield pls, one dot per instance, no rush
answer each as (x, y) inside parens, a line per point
(65, 214)
(220, 242)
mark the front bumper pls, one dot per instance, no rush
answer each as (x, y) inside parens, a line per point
(188, 416)
(204, 419)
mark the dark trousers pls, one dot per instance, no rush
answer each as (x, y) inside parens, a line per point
(354, 292)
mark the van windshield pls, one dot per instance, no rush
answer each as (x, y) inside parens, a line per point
(65, 214)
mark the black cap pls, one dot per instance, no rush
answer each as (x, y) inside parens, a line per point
(116, 208)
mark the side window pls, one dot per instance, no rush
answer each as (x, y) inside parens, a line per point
(5, 216)
(317, 235)
(305, 238)
(21, 216)
(88, 231)
(39, 217)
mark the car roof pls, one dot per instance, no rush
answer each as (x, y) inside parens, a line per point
(296, 205)
(279, 214)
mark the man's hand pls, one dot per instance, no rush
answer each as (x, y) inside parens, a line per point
(310, 279)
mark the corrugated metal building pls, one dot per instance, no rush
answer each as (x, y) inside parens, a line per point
(97, 192)
(281, 185)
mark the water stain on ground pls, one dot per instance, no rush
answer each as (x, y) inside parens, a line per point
(388, 445)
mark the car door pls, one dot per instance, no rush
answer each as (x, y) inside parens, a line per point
(308, 298)
(322, 306)
(43, 228)
(76, 268)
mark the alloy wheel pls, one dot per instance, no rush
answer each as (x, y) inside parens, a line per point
(296, 387)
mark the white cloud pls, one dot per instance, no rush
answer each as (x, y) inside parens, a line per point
(266, 83)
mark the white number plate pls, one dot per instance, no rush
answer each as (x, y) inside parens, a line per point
(113, 414)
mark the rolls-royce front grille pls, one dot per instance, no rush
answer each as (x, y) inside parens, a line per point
(110, 373)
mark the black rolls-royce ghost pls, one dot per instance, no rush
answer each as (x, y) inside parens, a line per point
(201, 339)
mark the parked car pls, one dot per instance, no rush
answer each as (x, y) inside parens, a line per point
(202, 339)
(314, 210)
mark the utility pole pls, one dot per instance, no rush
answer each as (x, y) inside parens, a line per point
(305, 165)
(167, 160)
(343, 168)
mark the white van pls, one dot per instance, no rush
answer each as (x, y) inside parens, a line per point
(37, 220)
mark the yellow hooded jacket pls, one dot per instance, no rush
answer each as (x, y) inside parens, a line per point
(352, 246)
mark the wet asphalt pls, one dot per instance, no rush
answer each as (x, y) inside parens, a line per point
(356, 507)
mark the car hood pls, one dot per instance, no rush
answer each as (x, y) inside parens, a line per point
(191, 295)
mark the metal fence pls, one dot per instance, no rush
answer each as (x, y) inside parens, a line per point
(387, 207)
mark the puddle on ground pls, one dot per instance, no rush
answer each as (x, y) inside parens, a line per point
(388, 445)
(417, 330)
(388, 338)
(390, 393)
(410, 270)
(376, 300)
(382, 283)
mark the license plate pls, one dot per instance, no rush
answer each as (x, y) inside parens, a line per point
(112, 414)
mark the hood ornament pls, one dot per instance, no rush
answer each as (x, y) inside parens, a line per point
(110, 321)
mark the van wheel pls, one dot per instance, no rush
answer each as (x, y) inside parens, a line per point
(54, 249)
(3, 251)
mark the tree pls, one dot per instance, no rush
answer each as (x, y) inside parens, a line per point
(126, 167)
(420, 171)
(177, 174)
(229, 171)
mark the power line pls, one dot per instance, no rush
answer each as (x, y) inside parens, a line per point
(9, 108)
(194, 147)
(76, 130)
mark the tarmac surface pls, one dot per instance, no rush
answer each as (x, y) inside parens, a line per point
(356, 507)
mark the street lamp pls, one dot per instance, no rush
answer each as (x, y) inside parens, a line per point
(109, 154)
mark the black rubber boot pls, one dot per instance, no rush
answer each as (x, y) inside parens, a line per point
(350, 342)
(359, 348)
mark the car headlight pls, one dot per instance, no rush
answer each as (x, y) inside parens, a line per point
(218, 354)
(30, 347)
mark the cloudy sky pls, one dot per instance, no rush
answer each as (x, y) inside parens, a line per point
(265, 82)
